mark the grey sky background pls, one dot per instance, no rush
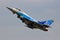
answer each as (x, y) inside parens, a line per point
(11, 28)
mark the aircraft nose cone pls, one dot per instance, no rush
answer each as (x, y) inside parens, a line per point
(10, 8)
(7, 7)
(14, 10)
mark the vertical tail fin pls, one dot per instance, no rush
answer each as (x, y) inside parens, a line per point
(48, 22)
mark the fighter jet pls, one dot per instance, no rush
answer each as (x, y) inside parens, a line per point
(31, 22)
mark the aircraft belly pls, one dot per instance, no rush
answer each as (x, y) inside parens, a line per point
(33, 24)
(30, 24)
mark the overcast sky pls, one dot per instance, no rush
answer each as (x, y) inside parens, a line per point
(11, 28)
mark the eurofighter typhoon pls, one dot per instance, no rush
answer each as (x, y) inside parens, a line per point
(31, 22)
